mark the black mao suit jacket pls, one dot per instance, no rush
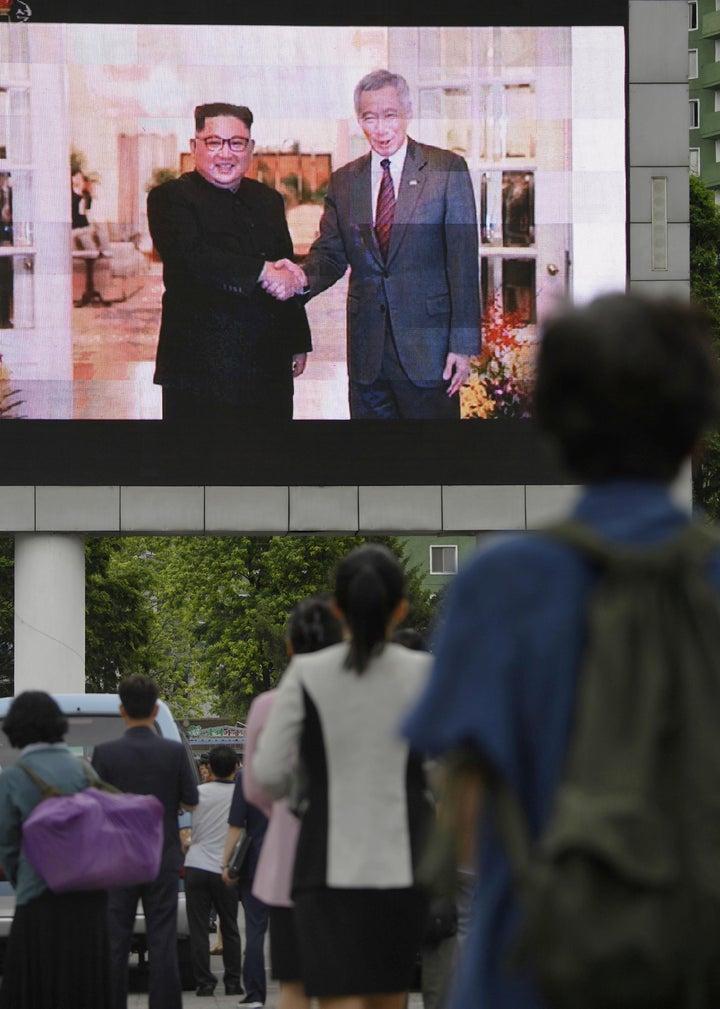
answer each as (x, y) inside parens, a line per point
(221, 335)
(429, 284)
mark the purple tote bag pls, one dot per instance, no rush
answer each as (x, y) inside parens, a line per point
(94, 839)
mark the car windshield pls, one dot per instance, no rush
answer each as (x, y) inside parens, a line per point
(84, 733)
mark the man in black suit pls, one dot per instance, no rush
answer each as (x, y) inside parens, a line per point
(403, 218)
(141, 761)
(227, 350)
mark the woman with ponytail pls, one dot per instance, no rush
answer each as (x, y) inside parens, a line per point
(358, 914)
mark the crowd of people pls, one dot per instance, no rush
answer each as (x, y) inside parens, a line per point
(334, 789)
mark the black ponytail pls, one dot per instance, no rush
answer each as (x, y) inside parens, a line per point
(368, 586)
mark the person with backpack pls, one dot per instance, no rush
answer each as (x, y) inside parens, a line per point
(573, 689)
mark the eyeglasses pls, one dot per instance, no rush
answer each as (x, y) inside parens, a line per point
(236, 144)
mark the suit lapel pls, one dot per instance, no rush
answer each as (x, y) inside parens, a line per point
(411, 186)
(361, 205)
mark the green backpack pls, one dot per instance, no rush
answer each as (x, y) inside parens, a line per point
(620, 895)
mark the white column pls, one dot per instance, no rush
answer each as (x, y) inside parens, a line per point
(49, 613)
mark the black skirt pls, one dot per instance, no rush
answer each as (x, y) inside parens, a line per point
(359, 942)
(285, 964)
(57, 953)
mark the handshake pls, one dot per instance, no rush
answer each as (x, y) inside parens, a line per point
(282, 279)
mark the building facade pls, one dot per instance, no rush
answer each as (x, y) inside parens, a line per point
(704, 91)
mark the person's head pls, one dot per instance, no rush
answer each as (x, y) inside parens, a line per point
(79, 182)
(408, 637)
(383, 107)
(223, 761)
(370, 593)
(34, 717)
(313, 625)
(626, 386)
(204, 767)
(138, 696)
(222, 146)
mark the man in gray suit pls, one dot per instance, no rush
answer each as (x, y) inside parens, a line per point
(403, 218)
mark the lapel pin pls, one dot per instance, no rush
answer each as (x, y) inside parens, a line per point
(412, 182)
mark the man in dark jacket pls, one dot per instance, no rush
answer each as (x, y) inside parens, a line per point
(228, 351)
(141, 761)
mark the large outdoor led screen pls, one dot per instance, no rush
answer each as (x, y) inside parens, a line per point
(536, 111)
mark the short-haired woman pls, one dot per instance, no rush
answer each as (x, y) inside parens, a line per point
(57, 953)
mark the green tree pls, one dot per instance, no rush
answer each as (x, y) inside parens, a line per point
(705, 289)
(118, 617)
(222, 606)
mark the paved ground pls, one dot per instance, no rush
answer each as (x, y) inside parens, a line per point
(220, 999)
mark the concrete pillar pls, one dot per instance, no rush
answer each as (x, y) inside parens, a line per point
(49, 613)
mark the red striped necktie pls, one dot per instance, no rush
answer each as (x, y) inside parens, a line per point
(385, 208)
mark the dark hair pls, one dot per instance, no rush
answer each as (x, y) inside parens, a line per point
(313, 625)
(34, 717)
(223, 761)
(625, 386)
(369, 583)
(138, 695)
(408, 637)
(214, 109)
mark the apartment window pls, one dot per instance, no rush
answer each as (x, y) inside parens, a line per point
(693, 63)
(694, 160)
(694, 104)
(443, 560)
(692, 15)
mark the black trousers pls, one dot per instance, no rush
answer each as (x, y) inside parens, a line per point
(205, 890)
(160, 900)
(265, 403)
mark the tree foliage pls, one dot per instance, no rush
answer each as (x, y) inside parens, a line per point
(117, 617)
(222, 606)
(705, 290)
(206, 616)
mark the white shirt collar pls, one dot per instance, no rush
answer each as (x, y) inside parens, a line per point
(397, 160)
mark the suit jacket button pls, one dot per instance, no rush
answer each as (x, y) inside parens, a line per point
(383, 309)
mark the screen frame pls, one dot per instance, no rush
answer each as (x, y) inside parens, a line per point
(157, 453)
